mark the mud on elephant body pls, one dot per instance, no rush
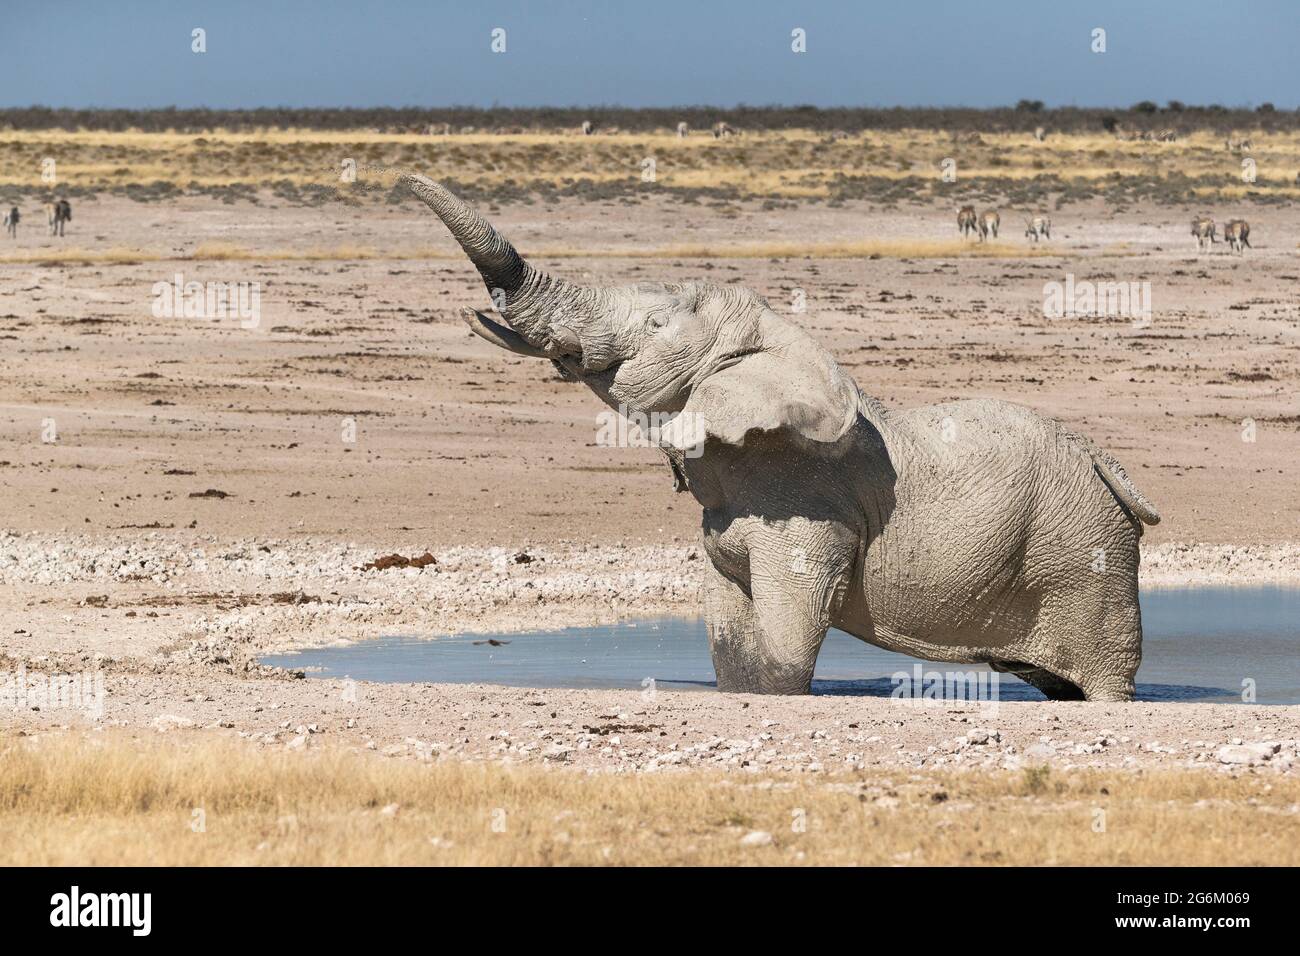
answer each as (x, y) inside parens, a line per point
(973, 531)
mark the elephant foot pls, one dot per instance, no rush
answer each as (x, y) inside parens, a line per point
(1054, 687)
(765, 684)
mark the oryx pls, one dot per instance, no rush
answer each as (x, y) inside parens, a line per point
(1203, 230)
(989, 222)
(1039, 227)
(966, 221)
(1237, 235)
(57, 213)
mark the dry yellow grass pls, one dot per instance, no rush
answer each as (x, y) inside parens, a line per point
(62, 255)
(230, 250)
(205, 251)
(864, 249)
(106, 799)
(786, 164)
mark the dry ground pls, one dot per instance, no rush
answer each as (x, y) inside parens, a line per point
(200, 502)
(201, 478)
(450, 431)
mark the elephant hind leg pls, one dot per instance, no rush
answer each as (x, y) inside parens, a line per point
(1053, 686)
(1089, 632)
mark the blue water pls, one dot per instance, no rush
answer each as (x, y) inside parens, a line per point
(1200, 645)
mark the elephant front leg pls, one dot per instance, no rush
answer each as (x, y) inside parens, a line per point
(732, 626)
(765, 639)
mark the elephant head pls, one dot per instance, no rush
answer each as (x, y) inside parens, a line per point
(717, 352)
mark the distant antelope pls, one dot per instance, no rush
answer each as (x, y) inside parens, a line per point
(682, 130)
(966, 221)
(1237, 235)
(989, 223)
(721, 130)
(1203, 230)
(11, 222)
(588, 127)
(1040, 227)
(1040, 134)
(58, 212)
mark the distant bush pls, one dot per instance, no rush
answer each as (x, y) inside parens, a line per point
(1022, 118)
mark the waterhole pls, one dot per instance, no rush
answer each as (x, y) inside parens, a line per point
(1200, 644)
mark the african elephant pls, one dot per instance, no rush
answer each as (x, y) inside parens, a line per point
(972, 531)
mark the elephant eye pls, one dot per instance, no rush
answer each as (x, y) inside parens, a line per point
(658, 320)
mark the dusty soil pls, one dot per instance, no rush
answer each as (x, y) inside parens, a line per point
(201, 503)
(654, 730)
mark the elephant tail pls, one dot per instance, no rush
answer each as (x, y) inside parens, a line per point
(1118, 481)
(1122, 487)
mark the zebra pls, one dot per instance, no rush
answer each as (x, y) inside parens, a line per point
(682, 129)
(721, 130)
(588, 127)
(1237, 235)
(966, 221)
(989, 222)
(11, 222)
(1040, 227)
(1203, 230)
(1040, 134)
(58, 212)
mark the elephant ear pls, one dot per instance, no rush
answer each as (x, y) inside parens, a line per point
(771, 390)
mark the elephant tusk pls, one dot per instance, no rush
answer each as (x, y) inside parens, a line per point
(498, 334)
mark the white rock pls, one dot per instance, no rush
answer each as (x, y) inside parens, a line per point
(1236, 754)
(166, 722)
(1040, 751)
(1264, 750)
(756, 838)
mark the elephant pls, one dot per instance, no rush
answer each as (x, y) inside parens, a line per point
(972, 531)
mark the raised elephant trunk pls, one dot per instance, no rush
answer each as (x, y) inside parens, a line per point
(545, 311)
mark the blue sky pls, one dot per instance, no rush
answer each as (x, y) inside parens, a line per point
(136, 53)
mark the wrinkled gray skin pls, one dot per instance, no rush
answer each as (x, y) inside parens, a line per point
(971, 531)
